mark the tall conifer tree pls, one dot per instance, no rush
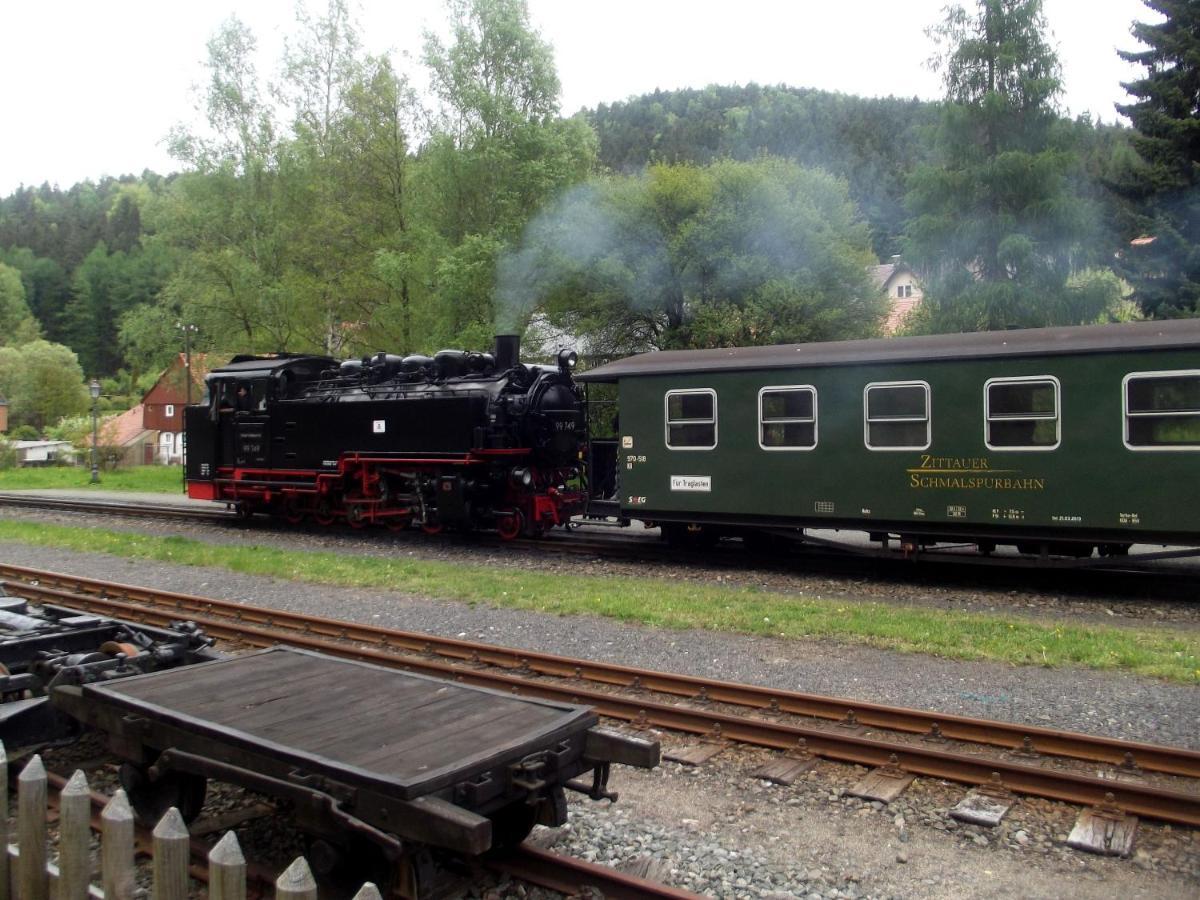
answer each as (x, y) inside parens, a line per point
(998, 228)
(1162, 260)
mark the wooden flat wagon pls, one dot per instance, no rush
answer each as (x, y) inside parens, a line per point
(413, 767)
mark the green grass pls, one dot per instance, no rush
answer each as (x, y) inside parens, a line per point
(156, 479)
(1159, 653)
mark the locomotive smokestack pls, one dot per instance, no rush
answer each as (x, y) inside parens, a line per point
(508, 351)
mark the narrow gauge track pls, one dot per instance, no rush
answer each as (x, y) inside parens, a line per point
(1110, 576)
(565, 874)
(519, 671)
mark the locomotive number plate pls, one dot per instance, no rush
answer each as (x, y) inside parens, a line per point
(379, 426)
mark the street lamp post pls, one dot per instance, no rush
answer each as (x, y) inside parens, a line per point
(94, 390)
(188, 331)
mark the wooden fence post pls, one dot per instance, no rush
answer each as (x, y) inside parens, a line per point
(32, 883)
(172, 852)
(4, 887)
(116, 848)
(296, 882)
(227, 870)
(74, 838)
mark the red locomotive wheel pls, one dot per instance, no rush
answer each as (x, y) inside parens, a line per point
(293, 513)
(323, 514)
(398, 523)
(432, 526)
(510, 525)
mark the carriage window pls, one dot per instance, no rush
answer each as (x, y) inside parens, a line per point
(691, 419)
(1021, 413)
(1162, 410)
(787, 418)
(897, 416)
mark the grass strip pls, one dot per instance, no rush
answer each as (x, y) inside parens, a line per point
(154, 479)
(1160, 653)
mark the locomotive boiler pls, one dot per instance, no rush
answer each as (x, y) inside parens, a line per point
(460, 440)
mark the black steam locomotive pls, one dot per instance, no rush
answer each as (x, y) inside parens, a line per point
(459, 440)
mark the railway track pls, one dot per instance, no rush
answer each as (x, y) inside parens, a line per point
(1116, 576)
(1148, 780)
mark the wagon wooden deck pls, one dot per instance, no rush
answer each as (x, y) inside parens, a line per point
(405, 734)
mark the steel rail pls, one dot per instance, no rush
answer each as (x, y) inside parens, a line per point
(113, 507)
(1179, 807)
(1039, 739)
(569, 876)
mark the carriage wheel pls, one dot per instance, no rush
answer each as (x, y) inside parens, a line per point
(509, 525)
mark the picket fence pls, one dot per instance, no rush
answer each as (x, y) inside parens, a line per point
(26, 873)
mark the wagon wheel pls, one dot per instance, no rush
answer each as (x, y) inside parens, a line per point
(511, 825)
(509, 525)
(151, 799)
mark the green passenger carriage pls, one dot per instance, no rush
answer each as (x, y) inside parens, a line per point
(1057, 441)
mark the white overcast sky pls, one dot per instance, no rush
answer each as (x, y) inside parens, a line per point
(91, 88)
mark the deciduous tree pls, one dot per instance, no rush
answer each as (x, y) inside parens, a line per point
(686, 256)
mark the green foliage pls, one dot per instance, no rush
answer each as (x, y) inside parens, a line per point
(1163, 183)
(687, 256)
(17, 325)
(871, 142)
(496, 75)
(998, 224)
(42, 383)
(24, 433)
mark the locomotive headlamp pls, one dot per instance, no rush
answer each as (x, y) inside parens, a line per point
(567, 360)
(522, 477)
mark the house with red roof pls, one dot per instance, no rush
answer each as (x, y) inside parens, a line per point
(127, 437)
(164, 402)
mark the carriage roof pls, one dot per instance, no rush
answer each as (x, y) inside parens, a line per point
(1129, 336)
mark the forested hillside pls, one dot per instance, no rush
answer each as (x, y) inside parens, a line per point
(326, 206)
